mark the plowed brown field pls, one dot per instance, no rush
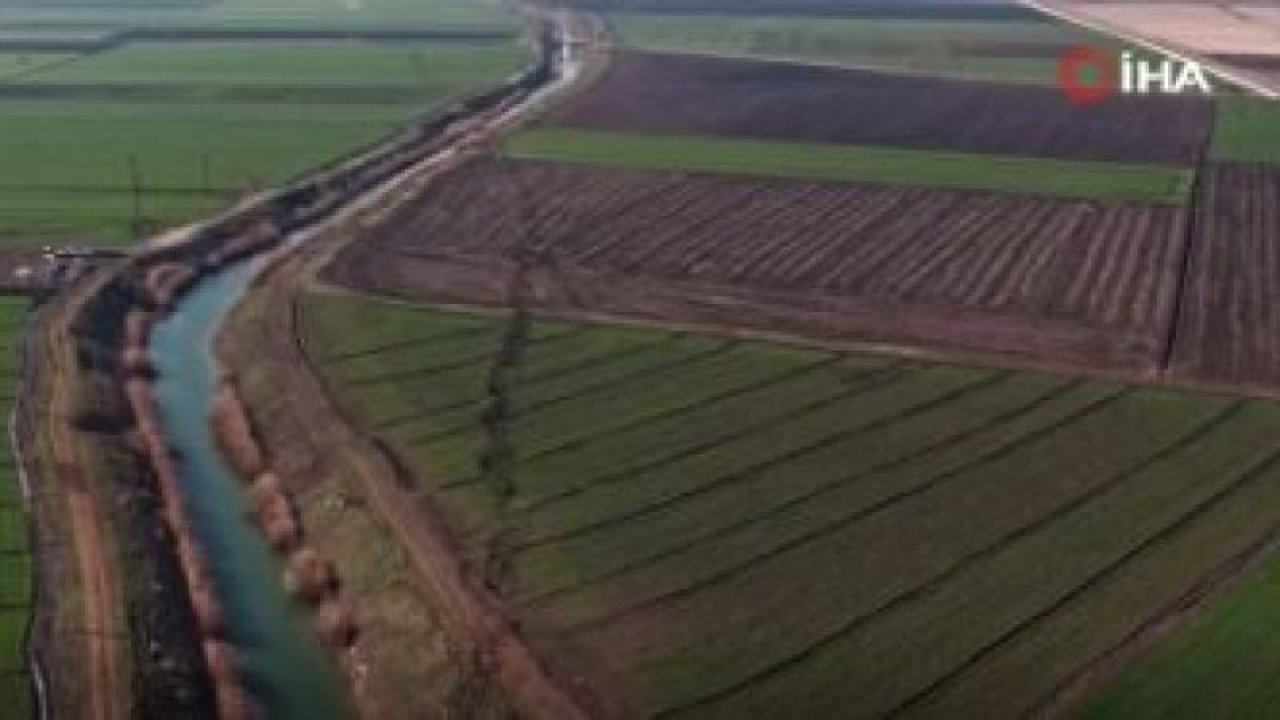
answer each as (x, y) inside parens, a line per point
(1229, 330)
(1071, 283)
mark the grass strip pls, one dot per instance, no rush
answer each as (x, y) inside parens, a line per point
(1089, 180)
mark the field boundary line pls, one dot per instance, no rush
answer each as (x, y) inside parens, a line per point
(454, 364)
(872, 379)
(861, 514)
(1195, 222)
(950, 356)
(715, 533)
(541, 379)
(1227, 574)
(767, 464)
(1251, 475)
(397, 346)
(969, 560)
(462, 427)
(672, 412)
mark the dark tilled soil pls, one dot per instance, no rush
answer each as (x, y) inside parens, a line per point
(1229, 331)
(1080, 284)
(714, 96)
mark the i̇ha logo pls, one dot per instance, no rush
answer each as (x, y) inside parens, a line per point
(1089, 76)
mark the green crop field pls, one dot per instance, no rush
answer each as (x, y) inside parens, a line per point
(213, 121)
(58, 145)
(31, 217)
(1247, 130)
(1232, 646)
(418, 70)
(15, 558)
(726, 528)
(434, 14)
(1013, 50)
(1040, 176)
(69, 164)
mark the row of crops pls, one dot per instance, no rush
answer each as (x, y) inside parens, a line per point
(724, 528)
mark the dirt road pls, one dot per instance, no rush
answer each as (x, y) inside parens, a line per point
(97, 568)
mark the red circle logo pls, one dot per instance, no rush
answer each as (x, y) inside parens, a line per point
(1087, 75)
